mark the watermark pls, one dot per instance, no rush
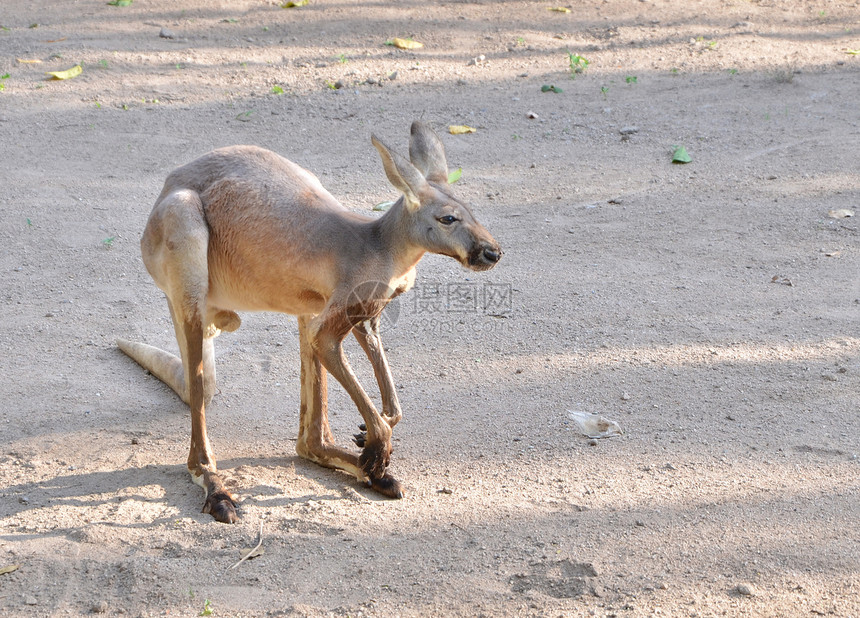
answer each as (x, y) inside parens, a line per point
(370, 299)
(463, 297)
(462, 308)
(442, 308)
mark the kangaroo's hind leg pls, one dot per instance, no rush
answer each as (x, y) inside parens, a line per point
(315, 441)
(175, 248)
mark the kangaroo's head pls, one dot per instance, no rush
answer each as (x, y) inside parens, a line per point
(436, 220)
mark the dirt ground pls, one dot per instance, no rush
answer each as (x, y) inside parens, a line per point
(711, 309)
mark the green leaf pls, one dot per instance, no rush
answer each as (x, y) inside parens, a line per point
(578, 64)
(207, 608)
(631, 79)
(548, 88)
(120, 2)
(455, 175)
(680, 155)
(277, 90)
(295, 5)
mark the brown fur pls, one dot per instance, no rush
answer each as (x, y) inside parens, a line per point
(243, 229)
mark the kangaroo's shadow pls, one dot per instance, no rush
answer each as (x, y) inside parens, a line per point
(166, 491)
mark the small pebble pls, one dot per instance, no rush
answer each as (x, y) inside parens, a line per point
(100, 608)
(30, 600)
(592, 442)
(629, 130)
(135, 441)
(166, 34)
(625, 396)
(745, 590)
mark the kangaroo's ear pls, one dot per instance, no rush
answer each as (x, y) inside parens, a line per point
(427, 153)
(402, 174)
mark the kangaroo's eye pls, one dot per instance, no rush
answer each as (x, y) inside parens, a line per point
(447, 219)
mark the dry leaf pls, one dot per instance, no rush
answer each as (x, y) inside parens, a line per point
(460, 129)
(68, 73)
(255, 551)
(782, 281)
(8, 569)
(595, 425)
(406, 43)
(249, 553)
(841, 213)
(25, 61)
(558, 9)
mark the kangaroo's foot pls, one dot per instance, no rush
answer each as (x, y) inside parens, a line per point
(221, 505)
(388, 486)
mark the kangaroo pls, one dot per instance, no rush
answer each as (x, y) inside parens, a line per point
(244, 229)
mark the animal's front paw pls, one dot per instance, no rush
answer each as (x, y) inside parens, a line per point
(374, 459)
(360, 439)
(222, 507)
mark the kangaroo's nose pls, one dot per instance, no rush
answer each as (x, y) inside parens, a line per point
(492, 255)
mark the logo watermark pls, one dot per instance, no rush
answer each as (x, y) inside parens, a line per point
(439, 307)
(463, 297)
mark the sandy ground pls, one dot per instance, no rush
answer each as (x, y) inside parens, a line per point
(711, 309)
